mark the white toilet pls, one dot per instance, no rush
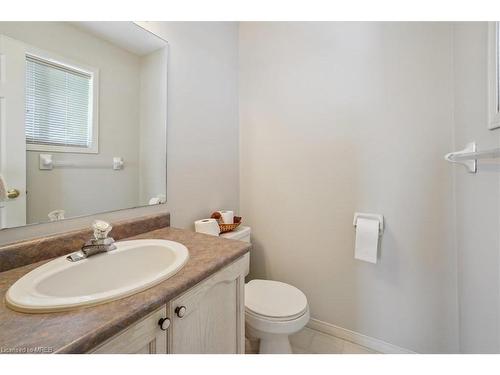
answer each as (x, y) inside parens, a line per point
(273, 310)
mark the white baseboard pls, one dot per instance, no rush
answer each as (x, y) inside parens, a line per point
(357, 338)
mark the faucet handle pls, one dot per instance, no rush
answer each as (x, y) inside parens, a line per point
(101, 229)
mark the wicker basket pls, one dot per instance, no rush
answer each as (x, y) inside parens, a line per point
(224, 228)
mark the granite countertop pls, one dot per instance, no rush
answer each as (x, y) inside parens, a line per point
(80, 330)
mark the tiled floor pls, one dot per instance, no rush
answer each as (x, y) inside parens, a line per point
(309, 341)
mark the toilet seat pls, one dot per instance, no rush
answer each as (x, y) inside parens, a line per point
(274, 300)
(264, 324)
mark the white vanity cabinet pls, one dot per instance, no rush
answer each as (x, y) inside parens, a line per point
(208, 318)
(143, 337)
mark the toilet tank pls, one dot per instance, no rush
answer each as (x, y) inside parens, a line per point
(241, 234)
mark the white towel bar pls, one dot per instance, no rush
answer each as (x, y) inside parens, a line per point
(469, 156)
(48, 163)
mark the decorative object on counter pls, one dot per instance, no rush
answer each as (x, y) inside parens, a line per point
(159, 199)
(223, 226)
(56, 215)
(207, 226)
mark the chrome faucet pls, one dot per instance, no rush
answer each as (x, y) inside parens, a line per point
(101, 243)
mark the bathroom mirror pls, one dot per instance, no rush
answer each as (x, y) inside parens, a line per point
(82, 119)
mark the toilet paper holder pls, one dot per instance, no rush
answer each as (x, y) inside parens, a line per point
(379, 218)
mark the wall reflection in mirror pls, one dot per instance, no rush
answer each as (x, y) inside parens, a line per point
(82, 119)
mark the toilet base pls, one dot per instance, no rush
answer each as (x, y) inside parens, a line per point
(279, 344)
(270, 343)
(273, 334)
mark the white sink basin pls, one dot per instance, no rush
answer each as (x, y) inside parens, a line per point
(63, 285)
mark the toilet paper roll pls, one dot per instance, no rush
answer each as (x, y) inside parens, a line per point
(207, 226)
(227, 216)
(366, 240)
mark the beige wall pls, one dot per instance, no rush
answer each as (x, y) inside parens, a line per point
(477, 196)
(202, 162)
(343, 117)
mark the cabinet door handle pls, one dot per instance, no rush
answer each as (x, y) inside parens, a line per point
(164, 323)
(180, 311)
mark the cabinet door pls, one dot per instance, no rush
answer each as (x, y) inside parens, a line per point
(212, 316)
(143, 337)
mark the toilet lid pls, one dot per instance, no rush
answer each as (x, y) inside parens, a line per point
(274, 299)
